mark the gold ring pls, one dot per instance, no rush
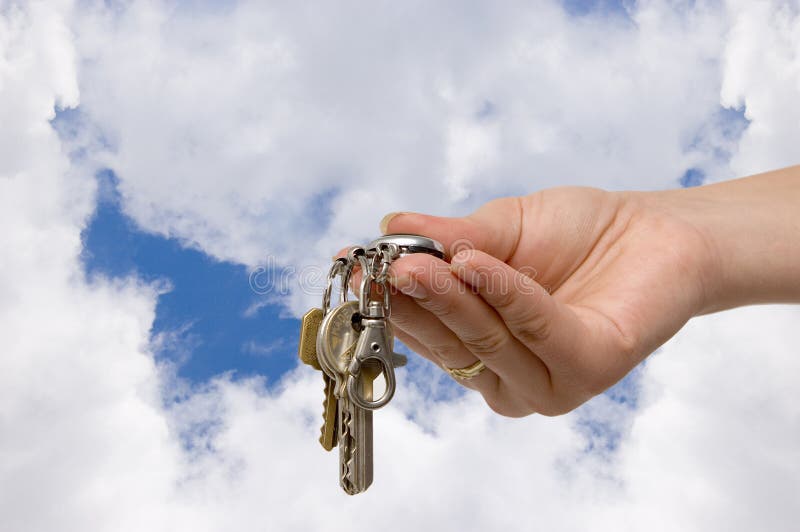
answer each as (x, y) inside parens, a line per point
(473, 370)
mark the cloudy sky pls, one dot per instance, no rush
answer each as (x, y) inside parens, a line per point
(174, 175)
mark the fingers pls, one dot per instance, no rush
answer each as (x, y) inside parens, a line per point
(425, 334)
(535, 318)
(495, 228)
(464, 328)
(479, 308)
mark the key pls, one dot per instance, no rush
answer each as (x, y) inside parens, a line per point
(336, 343)
(355, 439)
(336, 340)
(354, 345)
(307, 348)
(330, 406)
(307, 351)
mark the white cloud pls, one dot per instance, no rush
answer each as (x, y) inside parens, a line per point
(215, 119)
(83, 440)
(762, 72)
(714, 446)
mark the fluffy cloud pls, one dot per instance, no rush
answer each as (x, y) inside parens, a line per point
(762, 72)
(224, 126)
(83, 440)
(714, 445)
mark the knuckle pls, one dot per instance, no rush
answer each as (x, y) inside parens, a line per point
(554, 410)
(557, 406)
(448, 353)
(563, 401)
(536, 400)
(498, 406)
(504, 402)
(528, 322)
(487, 343)
(530, 327)
(440, 306)
(504, 297)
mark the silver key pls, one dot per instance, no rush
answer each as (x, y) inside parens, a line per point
(336, 340)
(355, 443)
(336, 343)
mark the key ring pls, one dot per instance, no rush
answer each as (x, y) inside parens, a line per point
(373, 344)
(334, 272)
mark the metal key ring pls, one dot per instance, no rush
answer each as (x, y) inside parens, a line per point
(347, 272)
(353, 391)
(336, 268)
(374, 343)
(408, 244)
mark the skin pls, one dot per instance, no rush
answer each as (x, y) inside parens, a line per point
(562, 292)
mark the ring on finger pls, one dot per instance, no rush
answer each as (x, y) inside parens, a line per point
(469, 372)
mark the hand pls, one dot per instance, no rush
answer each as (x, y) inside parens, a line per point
(561, 293)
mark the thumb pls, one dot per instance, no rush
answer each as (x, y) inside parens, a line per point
(495, 228)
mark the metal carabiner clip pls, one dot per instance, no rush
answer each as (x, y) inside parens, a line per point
(374, 344)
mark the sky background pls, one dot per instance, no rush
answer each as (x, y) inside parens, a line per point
(175, 176)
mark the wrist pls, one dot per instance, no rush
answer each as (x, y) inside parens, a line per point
(750, 230)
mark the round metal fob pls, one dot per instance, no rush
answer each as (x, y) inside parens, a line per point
(410, 244)
(336, 339)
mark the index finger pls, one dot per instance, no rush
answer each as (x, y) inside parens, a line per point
(495, 228)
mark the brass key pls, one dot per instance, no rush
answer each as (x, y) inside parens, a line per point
(307, 350)
(330, 429)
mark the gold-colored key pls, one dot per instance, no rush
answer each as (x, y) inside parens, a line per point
(307, 349)
(330, 433)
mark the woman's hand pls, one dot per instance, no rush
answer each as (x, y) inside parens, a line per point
(560, 293)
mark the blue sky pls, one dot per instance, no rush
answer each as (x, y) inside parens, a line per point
(215, 321)
(218, 323)
(586, 7)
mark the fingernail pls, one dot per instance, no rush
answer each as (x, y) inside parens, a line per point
(410, 287)
(384, 224)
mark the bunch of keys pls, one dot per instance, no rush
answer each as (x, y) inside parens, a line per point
(352, 345)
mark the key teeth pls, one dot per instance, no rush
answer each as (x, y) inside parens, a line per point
(353, 453)
(348, 442)
(324, 409)
(328, 444)
(324, 417)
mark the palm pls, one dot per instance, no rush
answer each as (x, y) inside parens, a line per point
(624, 268)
